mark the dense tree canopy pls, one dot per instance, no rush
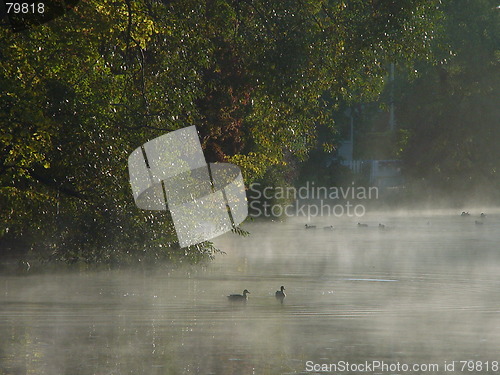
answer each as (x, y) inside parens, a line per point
(451, 112)
(79, 93)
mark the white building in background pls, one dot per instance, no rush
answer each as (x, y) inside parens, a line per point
(386, 173)
(381, 173)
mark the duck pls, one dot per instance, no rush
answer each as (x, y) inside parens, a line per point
(239, 297)
(330, 227)
(381, 226)
(465, 213)
(483, 215)
(280, 294)
(362, 225)
(310, 226)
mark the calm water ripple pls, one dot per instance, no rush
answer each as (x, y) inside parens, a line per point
(413, 293)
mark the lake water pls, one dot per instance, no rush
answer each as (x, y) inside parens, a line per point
(423, 292)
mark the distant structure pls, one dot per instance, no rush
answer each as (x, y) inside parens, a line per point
(384, 174)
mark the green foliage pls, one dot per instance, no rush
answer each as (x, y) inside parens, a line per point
(451, 111)
(240, 231)
(81, 92)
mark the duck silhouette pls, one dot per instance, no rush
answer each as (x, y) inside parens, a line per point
(280, 294)
(361, 225)
(310, 226)
(239, 297)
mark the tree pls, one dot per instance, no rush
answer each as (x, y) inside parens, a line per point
(81, 92)
(451, 111)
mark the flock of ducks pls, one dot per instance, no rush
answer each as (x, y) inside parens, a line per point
(331, 227)
(382, 226)
(280, 296)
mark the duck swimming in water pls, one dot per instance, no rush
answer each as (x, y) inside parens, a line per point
(362, 225)
(239, 297)
(310, 226)
(280, 294)
(465, 213)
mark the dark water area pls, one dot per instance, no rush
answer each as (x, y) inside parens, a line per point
(422, 291)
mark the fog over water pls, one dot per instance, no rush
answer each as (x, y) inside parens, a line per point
(423, 290)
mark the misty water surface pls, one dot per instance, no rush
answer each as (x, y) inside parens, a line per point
(424, 290)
